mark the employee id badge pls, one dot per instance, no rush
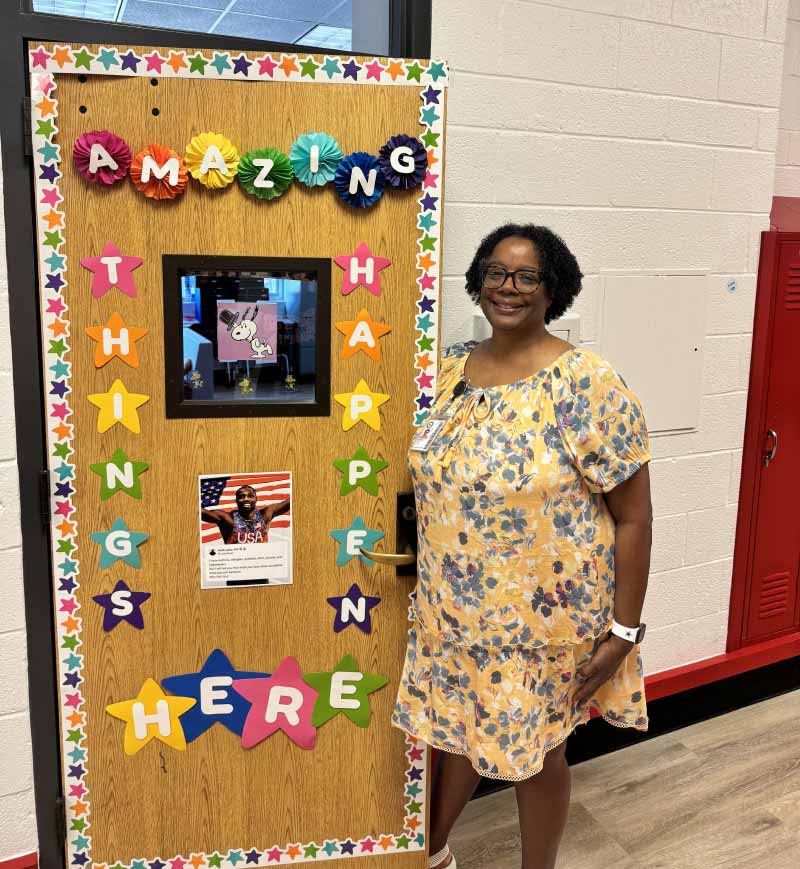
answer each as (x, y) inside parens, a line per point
(427, 433)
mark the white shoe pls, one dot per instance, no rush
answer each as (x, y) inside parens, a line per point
(436, 859)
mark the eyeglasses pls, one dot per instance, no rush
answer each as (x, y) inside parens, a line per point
(524, 280)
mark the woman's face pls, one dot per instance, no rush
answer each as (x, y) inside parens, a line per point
(506, 308)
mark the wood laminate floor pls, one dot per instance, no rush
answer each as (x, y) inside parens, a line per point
(725, 792)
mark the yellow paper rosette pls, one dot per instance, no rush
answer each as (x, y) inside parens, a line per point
(205, 156)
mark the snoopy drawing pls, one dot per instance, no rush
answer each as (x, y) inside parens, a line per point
(245, 330)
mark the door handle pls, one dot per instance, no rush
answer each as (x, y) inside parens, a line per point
(395, 559)
(769, 455)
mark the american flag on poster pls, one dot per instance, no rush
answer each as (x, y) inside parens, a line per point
(220, 493)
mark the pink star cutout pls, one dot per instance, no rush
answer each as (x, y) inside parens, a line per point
(275, 853)
(45, 83)
(374, 70)
(114, 272)
(39, 58)
(77, 790)
(55, 306)
(367, 845)
(430, 180)
(51, 196)
(60, 410)
(177, 863)
(266, 65)
(282, 701)
(362, 269)
(425, 282)
(68, 605)
(73, 700)
(64, 508)
(424, 381)
(416, 753)
(154, 61)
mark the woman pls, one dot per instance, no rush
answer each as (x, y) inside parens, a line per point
(534, 511)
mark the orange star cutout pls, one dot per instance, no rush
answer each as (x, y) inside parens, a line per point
(115, 339)
(177, 60)
(75, 718)
(58, 327)
(363, 333)
(288, 64)
(424, 361)
(432, 159)
(386, 842)
(197, 861)
(54, 218)
(424, 261)
(46, 107)
(412, 824)
(395, 69)
(61, 56)
(70, 624)
(79, 808)
(66, 529)
(293, 851)
(62, 431)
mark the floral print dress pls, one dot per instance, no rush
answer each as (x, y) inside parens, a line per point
(515, 582)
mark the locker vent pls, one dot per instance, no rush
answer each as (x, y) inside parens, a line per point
(792, 297)
(774, 595)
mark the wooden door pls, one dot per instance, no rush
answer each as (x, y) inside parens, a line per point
(360, 791)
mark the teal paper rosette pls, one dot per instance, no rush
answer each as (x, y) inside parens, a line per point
(280, 174)
(329, 155)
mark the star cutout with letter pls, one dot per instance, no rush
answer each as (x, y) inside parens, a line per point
(122, 605)
(362, 269)
(118, 405)
(152, 715)
(120, 474)
(289, 709)
(345, 689)
(361, 404)
(112, 269)
(115, 339)
(216, 699)
(359, 471)
(362, 334)
(352, 539)
(119, 544)
(353, 608)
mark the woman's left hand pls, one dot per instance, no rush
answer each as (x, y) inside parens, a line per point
(604, 663)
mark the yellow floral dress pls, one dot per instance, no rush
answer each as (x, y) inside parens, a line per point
(516, 561)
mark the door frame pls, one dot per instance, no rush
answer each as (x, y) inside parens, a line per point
(410, 34)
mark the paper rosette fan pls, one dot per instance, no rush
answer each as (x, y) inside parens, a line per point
(214, 177)
(155, 187)
(116, 148)
(328, 156)
(404, 180)
(366, 163)
(280, 174)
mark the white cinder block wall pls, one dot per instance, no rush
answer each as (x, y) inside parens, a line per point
(787, 157)
(643, 132)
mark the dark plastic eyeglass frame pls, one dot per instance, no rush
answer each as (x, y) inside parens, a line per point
(513, 275)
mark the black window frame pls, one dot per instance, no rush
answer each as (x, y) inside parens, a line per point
(410, 37)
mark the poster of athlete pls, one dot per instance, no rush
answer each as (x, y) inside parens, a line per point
(245, 529)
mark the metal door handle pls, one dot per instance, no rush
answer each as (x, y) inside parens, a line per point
(395, 559)
(770, 453)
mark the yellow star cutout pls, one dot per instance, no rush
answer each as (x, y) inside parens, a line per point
(152, 715)
(361, 404)
(362, 334)
(118, 405)
(115, 339)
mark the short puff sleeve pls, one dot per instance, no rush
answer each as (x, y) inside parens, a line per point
(601, 421)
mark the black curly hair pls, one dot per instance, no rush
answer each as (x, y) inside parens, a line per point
(561, 275)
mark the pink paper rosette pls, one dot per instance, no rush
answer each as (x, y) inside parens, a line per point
(114, 147)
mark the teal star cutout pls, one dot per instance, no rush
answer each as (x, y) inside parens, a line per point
(359, 471)
(83, 58)
(403, 841)
(215, 860)
(426, 222)
(429, 116)
(430, 139)
(73, 662)
(420, 417)
(235, 857)
(49, 152)
(356, 688)
(60, 369)
(420, 840)
(62, 451)
(424, 323)
(65, 472)
(68, 566)
(309, 68)
(58, 347)
(351, 540)
(55, 262)
(108, 58)
(331, 67)
(436, 71)
(138, 864)
(310, 850)
(220, 64)
(198, 63)
(45, 128)
(414, 71)
(427, 242)
(77, 755)
(329, 848)
(53, 239)
(80, 843)
(413, 790)
(425, 343)
(120, 474)
(119, 544)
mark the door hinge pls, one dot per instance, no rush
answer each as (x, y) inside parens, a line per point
(27, 136)
(61, 822)
(44, 498)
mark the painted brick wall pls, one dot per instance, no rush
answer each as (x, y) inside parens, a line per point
(644, 132)
(787, 156)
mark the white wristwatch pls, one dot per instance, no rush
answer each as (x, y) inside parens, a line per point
(633, 635)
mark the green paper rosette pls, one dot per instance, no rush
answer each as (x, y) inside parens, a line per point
(280, 173)
(328, 154)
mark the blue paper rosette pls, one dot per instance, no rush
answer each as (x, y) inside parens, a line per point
(358, 160)
(326, 153)
(403, 161)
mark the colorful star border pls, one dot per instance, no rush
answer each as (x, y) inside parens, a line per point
(431, 77)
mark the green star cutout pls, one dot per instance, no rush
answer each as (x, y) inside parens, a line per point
(77, 824)
(45, 128)
(424, 323)
(414, 808)
(426, 222)
(124, 479)
(414, 72)
(358, 690)
(55, 261)
(309, 68)
(65, 546)
(427, 242)
(73, 662)
(310, 851)
(235, 857)
(108, 58)
(329, 848)
(74, 736)
(53, 239)
(413, 790)
(62, 451)
(425, 343)
(403, 841)
(70, 643)
(430, 139)
(220, 64)
(83, 58)
(354, 472)
(198, 63)
(215, 860)
(58, 347)
(80, 843)
(429, 116)
(49, 152)
(331, 67)
(119, 866)
(436, 71)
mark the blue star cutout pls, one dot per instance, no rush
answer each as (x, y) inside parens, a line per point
(426, 304)
(430, 95)
(55, 262)
(348, 847)
(351, 540)
(356, 610)
(428, 202)
(72, 680)
(424, 323)
(429, 116)
(122, 605)
(220, 63)
(54, 282)
(130, 61)
(426, 222)
(80, 859)
(60, 388)
(49, 173)
(351, 69)
(331, 67)
(108, 58)
(216, 700)
(156, 864)
(76, 771)
(253, 856)
(68, 585)
(63, 490)
(242, 65)
(423, 401)
(414, 774)
(119, 544)
(49, 152)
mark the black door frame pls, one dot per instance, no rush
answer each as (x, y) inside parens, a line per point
(410, 36)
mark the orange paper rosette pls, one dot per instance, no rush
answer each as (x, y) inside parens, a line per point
(159, 172)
